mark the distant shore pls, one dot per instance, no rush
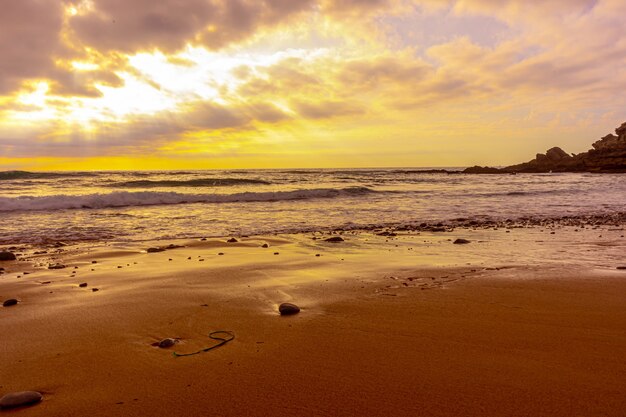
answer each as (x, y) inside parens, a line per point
(515, 321)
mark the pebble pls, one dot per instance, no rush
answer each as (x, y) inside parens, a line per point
(7, 256)
(165, 343)
(95, 289)
(232, 240)
(82, 284)
(56, 266)
(288, 309)
(154, 250)
(621, 268)
(19, 399)
(461, 242)
(334, 239)
(265, 245)
(10, 302)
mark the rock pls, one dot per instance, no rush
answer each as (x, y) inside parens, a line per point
(20, 399)
(461, 242)
(288, 309)
(56, 266)
(154, 250)
(7, 256)
(166, 343)
(10, 302)
(232, 240)
(334, 239)
(82, 284)
(265, 245)
(622, 268)
(607, 155)
(95, 289)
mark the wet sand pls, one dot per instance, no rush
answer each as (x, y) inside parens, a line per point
(518, 324)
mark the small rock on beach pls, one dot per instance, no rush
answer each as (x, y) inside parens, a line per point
(288, 309)
(461, 242)
(56, 266)
(154, 250)
(166, 343)
(19, 399)
(232, 240)
(7, 256)
(334, 239)
(10, 302)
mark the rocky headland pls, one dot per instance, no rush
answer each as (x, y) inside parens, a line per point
(607, 155)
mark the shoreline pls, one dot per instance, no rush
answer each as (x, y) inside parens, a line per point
(410, 324)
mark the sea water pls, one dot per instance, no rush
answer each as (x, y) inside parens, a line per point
(139, 205)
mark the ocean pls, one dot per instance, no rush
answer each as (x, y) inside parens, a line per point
(45, 207)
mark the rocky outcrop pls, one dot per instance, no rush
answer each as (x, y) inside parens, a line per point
(608, 155)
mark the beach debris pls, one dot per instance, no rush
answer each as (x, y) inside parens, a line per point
(7, 256)
(154, 250)
(265, 245)
(166, 343)
(461, 242)
(56, 266)
(334, 239)
(10, 302)
(223, 336)
(288, 309)
(232, 240)
(20, 399)
(82, 284)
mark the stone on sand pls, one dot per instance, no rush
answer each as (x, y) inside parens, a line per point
(265, 245)
(7, 256)
(154, 250)
(622, 268)
(82, 284)
(166, 343)
(56, 266)
(334, 239)
(461, 242)
(288, 309)
(232, 240)
(19, 399)
(10, 302)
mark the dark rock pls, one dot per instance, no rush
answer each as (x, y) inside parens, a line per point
(232, 240)
(334, 239)
(621, 268)
(166, 343)
(10, 302)
(95, 289)
(82, 284)
(94, 262)
(154, 250)
(20, 399)
(607, 155)
(7, 256)
(265, 245)
(288, 309)
(461, 242)
(56, 266)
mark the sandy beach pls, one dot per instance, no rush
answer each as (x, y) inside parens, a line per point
(403, 325)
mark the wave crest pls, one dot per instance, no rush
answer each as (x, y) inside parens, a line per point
(147, 198)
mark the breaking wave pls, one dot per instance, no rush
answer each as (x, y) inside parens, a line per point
(199, 182)
(147, 198)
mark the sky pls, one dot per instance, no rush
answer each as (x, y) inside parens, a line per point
(203, 84)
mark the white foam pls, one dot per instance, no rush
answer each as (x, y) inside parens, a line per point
(147, 198)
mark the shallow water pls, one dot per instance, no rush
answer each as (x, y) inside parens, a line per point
(43, 207)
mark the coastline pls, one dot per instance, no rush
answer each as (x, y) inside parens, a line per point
(518, 322)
